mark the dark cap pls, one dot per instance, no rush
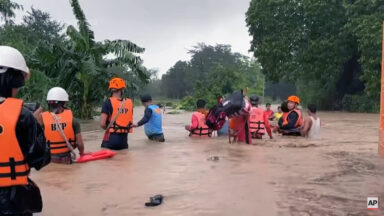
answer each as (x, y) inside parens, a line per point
(145, 98)
(254, 100)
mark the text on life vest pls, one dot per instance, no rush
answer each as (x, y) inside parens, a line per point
(62, 125)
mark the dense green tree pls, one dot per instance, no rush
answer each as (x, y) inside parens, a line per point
(154, 86)
(325, 47)
(177, 82)
(213, 71)
(7, 8)
(73, 59)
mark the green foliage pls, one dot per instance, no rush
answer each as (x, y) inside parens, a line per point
(174, 112)
(73, 60)
(212, 72)
(326, 47)
(360, 103)
(7, 8)
(365, 24)
(188, 103)
(176, 83)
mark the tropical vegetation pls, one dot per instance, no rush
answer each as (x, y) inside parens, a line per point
(331, 50)
(70, 57)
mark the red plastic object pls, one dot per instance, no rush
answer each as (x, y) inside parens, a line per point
(102, 154)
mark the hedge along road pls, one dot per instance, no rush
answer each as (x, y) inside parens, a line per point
(284, 176)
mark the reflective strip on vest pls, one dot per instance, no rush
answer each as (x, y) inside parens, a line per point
(202, 128)
(256, 121)
(299, 118)
(124, 120)
(56, 141)
(14, 169)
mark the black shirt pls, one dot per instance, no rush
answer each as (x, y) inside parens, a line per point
(107, 108)
(292, 118)
(146, 117)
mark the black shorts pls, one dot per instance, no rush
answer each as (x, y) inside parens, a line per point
(64, 158)
(116, 141)
(291, 132)
(157, 137)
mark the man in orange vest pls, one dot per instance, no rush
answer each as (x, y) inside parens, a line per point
(61, 130)
(291, 121)
(116, 117)
(198, 127)
(22, 141)
(258, 120)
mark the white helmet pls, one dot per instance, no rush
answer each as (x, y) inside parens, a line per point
(12, 58)
(57, 94)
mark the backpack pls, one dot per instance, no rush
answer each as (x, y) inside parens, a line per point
(216, 117)
(236, 105)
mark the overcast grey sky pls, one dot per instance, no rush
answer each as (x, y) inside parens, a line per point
(165, 28)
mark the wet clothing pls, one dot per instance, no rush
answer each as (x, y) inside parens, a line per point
(289, 123)
(292, 119)
(146, 117)
(278, 115)
(75, 125)
(65, 158)
(238, 128)
(52, 133)
(269, 113)
(153, 123)
(157, 137)
(26, 199)
(224, 130)
(314, 132)
(258, 123)
(14, 169)
(291, 132)
(124, 113)
(198, 127)
(114, 141)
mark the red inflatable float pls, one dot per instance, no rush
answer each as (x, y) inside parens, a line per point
(102, 154)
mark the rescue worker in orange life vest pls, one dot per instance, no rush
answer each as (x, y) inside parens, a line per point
(291, 121)
(69, 127)
(198, 128)
(116, 117)
(152, 119)
(22, 141)
(258, 120)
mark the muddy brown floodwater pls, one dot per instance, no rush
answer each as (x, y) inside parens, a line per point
(284, 176)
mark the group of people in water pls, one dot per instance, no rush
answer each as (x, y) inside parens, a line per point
(33, 138)
(288, 120)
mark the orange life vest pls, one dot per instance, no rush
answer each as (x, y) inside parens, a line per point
(202, 129)
(256, 120)
(14, 169)
(299, 119)
(52, 134)
(125, 118)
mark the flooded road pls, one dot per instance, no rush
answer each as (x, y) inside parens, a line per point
(284, 176)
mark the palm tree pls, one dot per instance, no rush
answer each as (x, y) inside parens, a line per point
(7, 8)
(88, 75)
